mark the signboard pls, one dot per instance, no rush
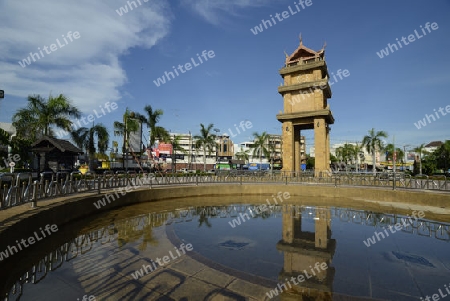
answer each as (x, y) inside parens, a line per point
(165, 148)
(410, 156)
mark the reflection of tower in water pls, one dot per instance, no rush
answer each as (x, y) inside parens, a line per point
(303, 251)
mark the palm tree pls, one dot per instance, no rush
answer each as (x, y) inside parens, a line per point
(346, 153)
(357, 148)
(84, 138)
(152, 118)
(130, 124)
(261, 146)
(420, 149)
(340, 153)
(206, 140)
(372, 143)
(242, 155)
(36, 119)
(390, 152)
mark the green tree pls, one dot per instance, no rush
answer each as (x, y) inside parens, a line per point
(420, 149)
(18, 146)
(261, 146)
(206, 141)
(152, 118)
(389, 149)
(310, 162)
(35, 121)
(429, 164)
(130, 124)
(85, 139)
(333, 158)
(348, 153)
(4, 137)
(372, 143)
(242, 155)
(443, 156)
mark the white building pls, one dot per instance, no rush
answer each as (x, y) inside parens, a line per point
(191, 157)
(248, 147)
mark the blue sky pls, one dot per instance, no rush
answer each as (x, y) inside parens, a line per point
(117, 58)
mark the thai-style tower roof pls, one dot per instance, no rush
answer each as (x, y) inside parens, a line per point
(303, 53)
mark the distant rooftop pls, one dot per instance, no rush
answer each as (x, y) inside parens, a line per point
(434, 144)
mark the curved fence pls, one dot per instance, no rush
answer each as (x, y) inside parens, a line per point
(17, 189)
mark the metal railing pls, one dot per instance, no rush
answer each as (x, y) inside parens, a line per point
(18, 189)
(94, 238)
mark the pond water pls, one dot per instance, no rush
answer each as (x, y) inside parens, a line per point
(238, 251)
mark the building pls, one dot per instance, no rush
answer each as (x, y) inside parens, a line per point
(276, 141)
(55, 154)
(190, 157)
(432, 146)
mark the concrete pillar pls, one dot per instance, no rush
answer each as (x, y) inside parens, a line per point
(320, 141)
(322, 228)
(297, 158)
(288, 224)
(288, 146)
(328, 147)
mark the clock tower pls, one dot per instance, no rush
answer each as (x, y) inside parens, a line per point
(305, 94)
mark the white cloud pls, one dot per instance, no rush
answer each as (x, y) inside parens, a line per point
(214, 11)
(87, 69)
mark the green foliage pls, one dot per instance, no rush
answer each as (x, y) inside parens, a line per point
(262, 146)
(310, 162)
(206, 140)
(333, 159)
(242, 155)
(390, 153)
(373, 142)
(36, 119)
(152, 118)
(442, 155)
(18, 146)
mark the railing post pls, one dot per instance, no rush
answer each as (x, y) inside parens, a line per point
(33, 198)
(46, 188)
(241, 179)
(98, 187)
(286, 180)
(196, 180)
(393, 184)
